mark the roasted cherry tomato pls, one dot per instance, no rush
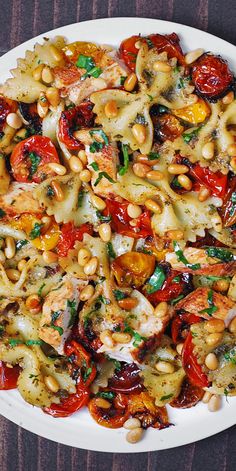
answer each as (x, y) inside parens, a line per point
(181, 323)
(211, 76)
(69, 235)
(195, 113)
(42, 240)
(6, 106)
(133, 268)
(126, 380)
(207, 241)
(120, 220)
(8, 376)
(73, 50)
(228, 210)
(191, 367)
(142, 406)
(30, 158)
(79, 117)
(174, 285)
(166, 127)
(70, 404)
(114, 417)
(30, 114)
(82, 367)
(129, 52)
(189, 396)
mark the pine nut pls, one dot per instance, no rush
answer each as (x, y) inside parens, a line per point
(134, 211)
(85, 176)
(84, 255)
(185, 182)
(33, 303)
(91, 266)
(106, 338)
(213, 339)
(155, 175)
(47, 75)
(208, 150)
(207, 396)
(143, 159)
(83, 156)
(47, 221)
(232, 326)
(37, 72)
(133, 222)
(42, 110)
(128, 303)
(227, 99)
(233, 163)
(161, 309)
(214, 326)
(14, 121)
(192, 56)
(138, 44)
(153, 206)
(160, 66)
(135, 435)
(130, 82)
(231, 150)
(53, 96)
(97, 202)
(217, 222)
(104, 231)
(204, 194)
(221, 285)
(10, 247)
(12, 274)
(175, 234)
(51, 383)
(177, 169)
(75, 164)
(140, 170)
(57, 168)
(121, 337)
(49, 256)
(59, 194)
(103, 403)
(192, 99)
(132, 423)
(211, 361)
(111, 110)
(164, 367)
(57, 55)
(2, 257)
(214, 403)
(179, 348)
(139, 133)
(21, 264)
(87, 293)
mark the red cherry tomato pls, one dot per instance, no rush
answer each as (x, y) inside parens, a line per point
(6, 106)
(69, 235)
(69, 405)
(166, 126)
(8, 376)
(30, 158)
(191, 367)
(79, 117)
(216, 182)
(189, 396)
(228, 210)
(211, 76)
(120, 220)
(129, 52)
(170, 289)
(182, 322)
(114, 417)
(83, 369)
(207, 241)
(126, 380)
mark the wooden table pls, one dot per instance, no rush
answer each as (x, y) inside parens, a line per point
(23, 451)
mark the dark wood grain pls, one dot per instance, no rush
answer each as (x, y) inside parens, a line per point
(24, 451)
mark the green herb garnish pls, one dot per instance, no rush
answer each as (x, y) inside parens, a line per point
(55, 316)
(85, 62)
(41, 289)
(56, 327)
(21, 243)
(95, 147)
(153, 156)
(100, 133)
(2, 213)
(188, 136)
(87, 373)
(156, 281)
(168, 396)
(80, 198)
(233, 206)
(103, 300)
(50, 192)
(35, 161)
(174, 301)
(212, 307)
(94, 165)
(220, 253)
(35, 378)
(231, 356)
(150, 97)
(119, 294)
(106, 394)
(103, 175)
(183, 259)
(110, 250)
(35, 231)
(136, 336)
(123, 169)
(103, 218)
(73, 311)
(122, 80)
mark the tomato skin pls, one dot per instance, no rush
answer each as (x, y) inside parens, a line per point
(211, 76)
(21, 164)
(216, 182)
(189, 396)
(69, 405)
(80, 116)
(8, 376)
(133, 268)
(126, 380)
(120, 220)
(228, 210)
(114, 417)
(191, 367)
(169, 290)
(180, 322)
(166, 126)
(129, 52)
(6, 106)
(142, 407)
(69, 235)
(80, 360)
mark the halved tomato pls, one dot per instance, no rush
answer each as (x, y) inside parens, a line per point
(79, 117)
(120, 220)
(115, 416)
(69, 235)
(211, 76)
(191, 367)
(69, 405)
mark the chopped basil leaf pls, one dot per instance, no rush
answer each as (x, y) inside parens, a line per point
(21, 243)
(176, 69)
(150, 97)
(231, 356)
(103, 300)
(122, 80)
(220, 253)
(59, 329)
(105, 175)
(106, 394)
(94, 165)
(102, 218)
(94, 72)
(233, 206)
(176, 279)
(2, 213)
(183, 259)
(110, 250)
(153, 156)
(119, 294)
(14, 342)
(73, 311)
(80, 198)
(100, 133)
(35, 161)
(168, 396)
(136, 336)
(212, 307)
(50, 192)
(217, 278)
(55, 316)
(87, 373)
(41, 289)
(85, 62)
(188, 136)
(95, 147)
(149, 42)
(123, 169)
(33, 342)
(156, 281)
(176, 300)
(35, 231)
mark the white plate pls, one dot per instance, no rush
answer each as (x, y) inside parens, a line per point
(80, 430)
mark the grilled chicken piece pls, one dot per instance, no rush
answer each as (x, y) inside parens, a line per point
(209, 265)
(20, 199)
(59, 311)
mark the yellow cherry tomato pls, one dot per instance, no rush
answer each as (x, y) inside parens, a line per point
(194, 114)
(73, 50)
(46, 241)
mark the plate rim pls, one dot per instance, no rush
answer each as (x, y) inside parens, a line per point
(28, 424)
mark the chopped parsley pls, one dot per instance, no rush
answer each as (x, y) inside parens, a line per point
(221, 253)
(176, 69)
(80, 198)
(181, 257)
(123, 169)
(106, 394)
(103, 218)
(212, 307)
(105, 175)
(21, 243)
(156, 281)
(188, 136)
(73, 311)
(2, 213)
(119, 294)
(153, 156)
(35, 161)
(94, 165)
(168, 396)
(110, 250)
(136, 336)
(35, 231)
